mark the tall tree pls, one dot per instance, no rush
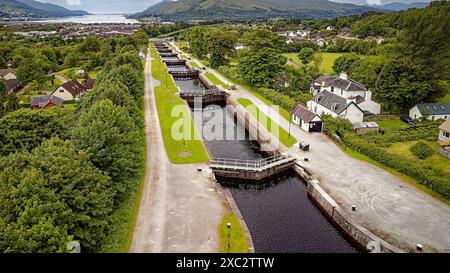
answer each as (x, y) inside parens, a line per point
(219, 45)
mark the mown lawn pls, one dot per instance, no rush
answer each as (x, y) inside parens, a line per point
(271, 126)
(216, 81)
(392, 124)
(436, 161)
(236, 242)
(326, 66)
(194, 64)
(179, 152)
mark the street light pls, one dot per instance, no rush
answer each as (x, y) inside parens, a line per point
(229, 231)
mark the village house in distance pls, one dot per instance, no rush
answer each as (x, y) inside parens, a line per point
(431, 111)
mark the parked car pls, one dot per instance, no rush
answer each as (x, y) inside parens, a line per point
(407, 119)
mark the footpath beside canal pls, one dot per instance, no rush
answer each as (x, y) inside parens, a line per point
(384, 204)
(181, 207)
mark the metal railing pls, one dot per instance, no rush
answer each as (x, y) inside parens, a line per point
(201, 93)
(249, 164)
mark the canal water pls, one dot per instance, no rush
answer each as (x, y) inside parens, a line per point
(278, 212)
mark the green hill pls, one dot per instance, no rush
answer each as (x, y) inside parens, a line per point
(249, 9)
(34, 9)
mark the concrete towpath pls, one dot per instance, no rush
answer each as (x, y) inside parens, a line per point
(386, 205)
(181, 208)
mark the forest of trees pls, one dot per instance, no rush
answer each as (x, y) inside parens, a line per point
(65, 172)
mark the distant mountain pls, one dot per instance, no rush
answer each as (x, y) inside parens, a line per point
(34, 9)
(249, 9)
(397, 6)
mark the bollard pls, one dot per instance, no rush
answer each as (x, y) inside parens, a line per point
(306, 159)
(419, 247)
(199, 169)
(353, 208)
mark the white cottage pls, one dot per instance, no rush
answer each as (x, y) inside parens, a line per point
(348, 89)
(444, 131)
(432, 111)
(307, 120)
(328, 103)
(71, 90)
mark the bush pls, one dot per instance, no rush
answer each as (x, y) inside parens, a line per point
(421, 150)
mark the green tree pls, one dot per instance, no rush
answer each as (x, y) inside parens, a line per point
(219, 45)
(195, 37)
(263, 38)
(262, 68)
(345, 63)
(30, 71)
(109, 137)
(90, 44)
(401, 84)
(306, 55)
(366, 71)
(71, 60)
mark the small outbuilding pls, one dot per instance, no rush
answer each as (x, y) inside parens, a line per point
(307, 120)
(362, 128)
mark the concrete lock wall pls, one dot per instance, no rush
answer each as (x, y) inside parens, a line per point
(269, 144)
(358, 234)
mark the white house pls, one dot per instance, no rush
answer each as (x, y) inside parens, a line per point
(444, 131)
(329, 103)
(307, 120)
(71, 90)
(433, 111)
(348, 89)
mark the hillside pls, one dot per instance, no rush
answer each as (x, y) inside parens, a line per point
(34, 9)
(397, 6)
(251, 9)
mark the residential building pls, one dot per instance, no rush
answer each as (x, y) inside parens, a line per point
(348, 89)
(12, 85)
(71, 90)
(329, 103)
(444, 131)
(307, 120)
(362, 128)
(431, 111)
(46, 102)
(8, 74)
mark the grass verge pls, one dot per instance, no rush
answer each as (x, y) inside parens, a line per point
(271, 126)
(179, 152)
(216, 80)
(236, 242)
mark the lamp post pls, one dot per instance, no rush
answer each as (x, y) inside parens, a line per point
(184, 130)
(229, 242)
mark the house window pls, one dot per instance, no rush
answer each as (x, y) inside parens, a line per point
(332, 89)
(61, 91)
(446, 134)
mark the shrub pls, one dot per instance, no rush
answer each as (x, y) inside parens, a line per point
(421, 150)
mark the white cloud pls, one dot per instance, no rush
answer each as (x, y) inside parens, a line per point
(74, 2)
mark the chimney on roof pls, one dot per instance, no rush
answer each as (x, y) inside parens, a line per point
(343, 75)
(351, 99)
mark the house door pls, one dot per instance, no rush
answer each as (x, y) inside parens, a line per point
(315, 126)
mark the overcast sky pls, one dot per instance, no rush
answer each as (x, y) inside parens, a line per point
(131, 6)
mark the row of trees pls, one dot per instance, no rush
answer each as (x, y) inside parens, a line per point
(64, 173)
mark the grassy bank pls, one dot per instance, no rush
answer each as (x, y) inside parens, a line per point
(271, 126)
(179, 152)
(216, 81)
(236, 242)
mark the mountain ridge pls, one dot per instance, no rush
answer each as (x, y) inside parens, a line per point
(251, 9)
(35, 9)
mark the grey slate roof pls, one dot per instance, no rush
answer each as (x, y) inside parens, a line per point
(42, 101)
(434, 108)
(73, 87)
(331, 101)
(336, 81)
(303, 113)
(4, 72)
(11, 84)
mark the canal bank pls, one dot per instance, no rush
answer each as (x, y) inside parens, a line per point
(306, 228)
(387, 206)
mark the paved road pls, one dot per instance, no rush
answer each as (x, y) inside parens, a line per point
(180, 208)
(386, 205)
